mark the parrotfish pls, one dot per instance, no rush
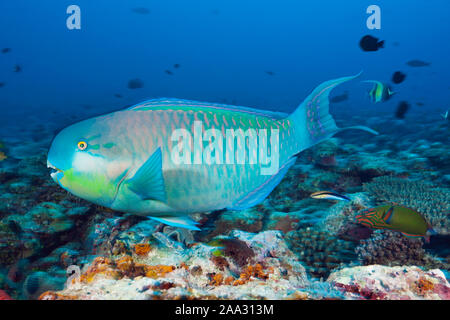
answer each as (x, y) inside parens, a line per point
(167, 158)
(407, 221)
(380, 91)
(329, 195)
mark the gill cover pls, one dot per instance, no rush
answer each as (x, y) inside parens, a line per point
(79, 165)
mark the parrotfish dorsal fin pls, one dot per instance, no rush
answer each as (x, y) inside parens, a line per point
(148, 181)
(158, 104)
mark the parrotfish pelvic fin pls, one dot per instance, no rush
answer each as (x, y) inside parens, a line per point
(148, 181)
(312, 121)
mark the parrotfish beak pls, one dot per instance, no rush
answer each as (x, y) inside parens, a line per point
(55, 173)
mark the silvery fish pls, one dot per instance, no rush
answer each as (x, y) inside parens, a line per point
(167, 158)
(329, 195)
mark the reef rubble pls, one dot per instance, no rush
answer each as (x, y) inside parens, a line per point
(391, 283)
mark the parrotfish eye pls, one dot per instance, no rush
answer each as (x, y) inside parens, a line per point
(82, 145)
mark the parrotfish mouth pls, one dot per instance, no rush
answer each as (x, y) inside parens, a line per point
(55, 173)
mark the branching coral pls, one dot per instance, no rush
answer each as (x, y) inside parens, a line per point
(390, 248)
(320, 251)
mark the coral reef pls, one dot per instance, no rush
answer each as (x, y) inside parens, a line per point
(432, 202)
(272, 271)
(320, 251)
(282, 248)
(391, 248)
(378, 282)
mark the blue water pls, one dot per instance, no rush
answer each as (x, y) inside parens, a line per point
(223, 48)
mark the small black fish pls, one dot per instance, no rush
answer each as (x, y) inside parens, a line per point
(402, 108)
(176, 65)
(420, 104)
(17, 68)
(340, 98)
(15, 227)
(2, 84)
(398, 77)
(117, 95)
(418, 63)
(270, 73)
(168, 72)
(6, 50)
(369, 43)
(141, 10)
(135, 83)
(396, 44)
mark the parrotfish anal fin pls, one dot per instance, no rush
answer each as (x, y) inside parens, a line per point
(312, 121)
(181, 222)
(148, 181)
(258, 195)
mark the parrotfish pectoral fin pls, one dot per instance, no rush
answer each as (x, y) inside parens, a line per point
(148, 181)
(181, 222)
(312, 121)
(258, 195)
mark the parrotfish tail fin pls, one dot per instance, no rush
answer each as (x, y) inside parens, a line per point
(312, 121)
(371, 81)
